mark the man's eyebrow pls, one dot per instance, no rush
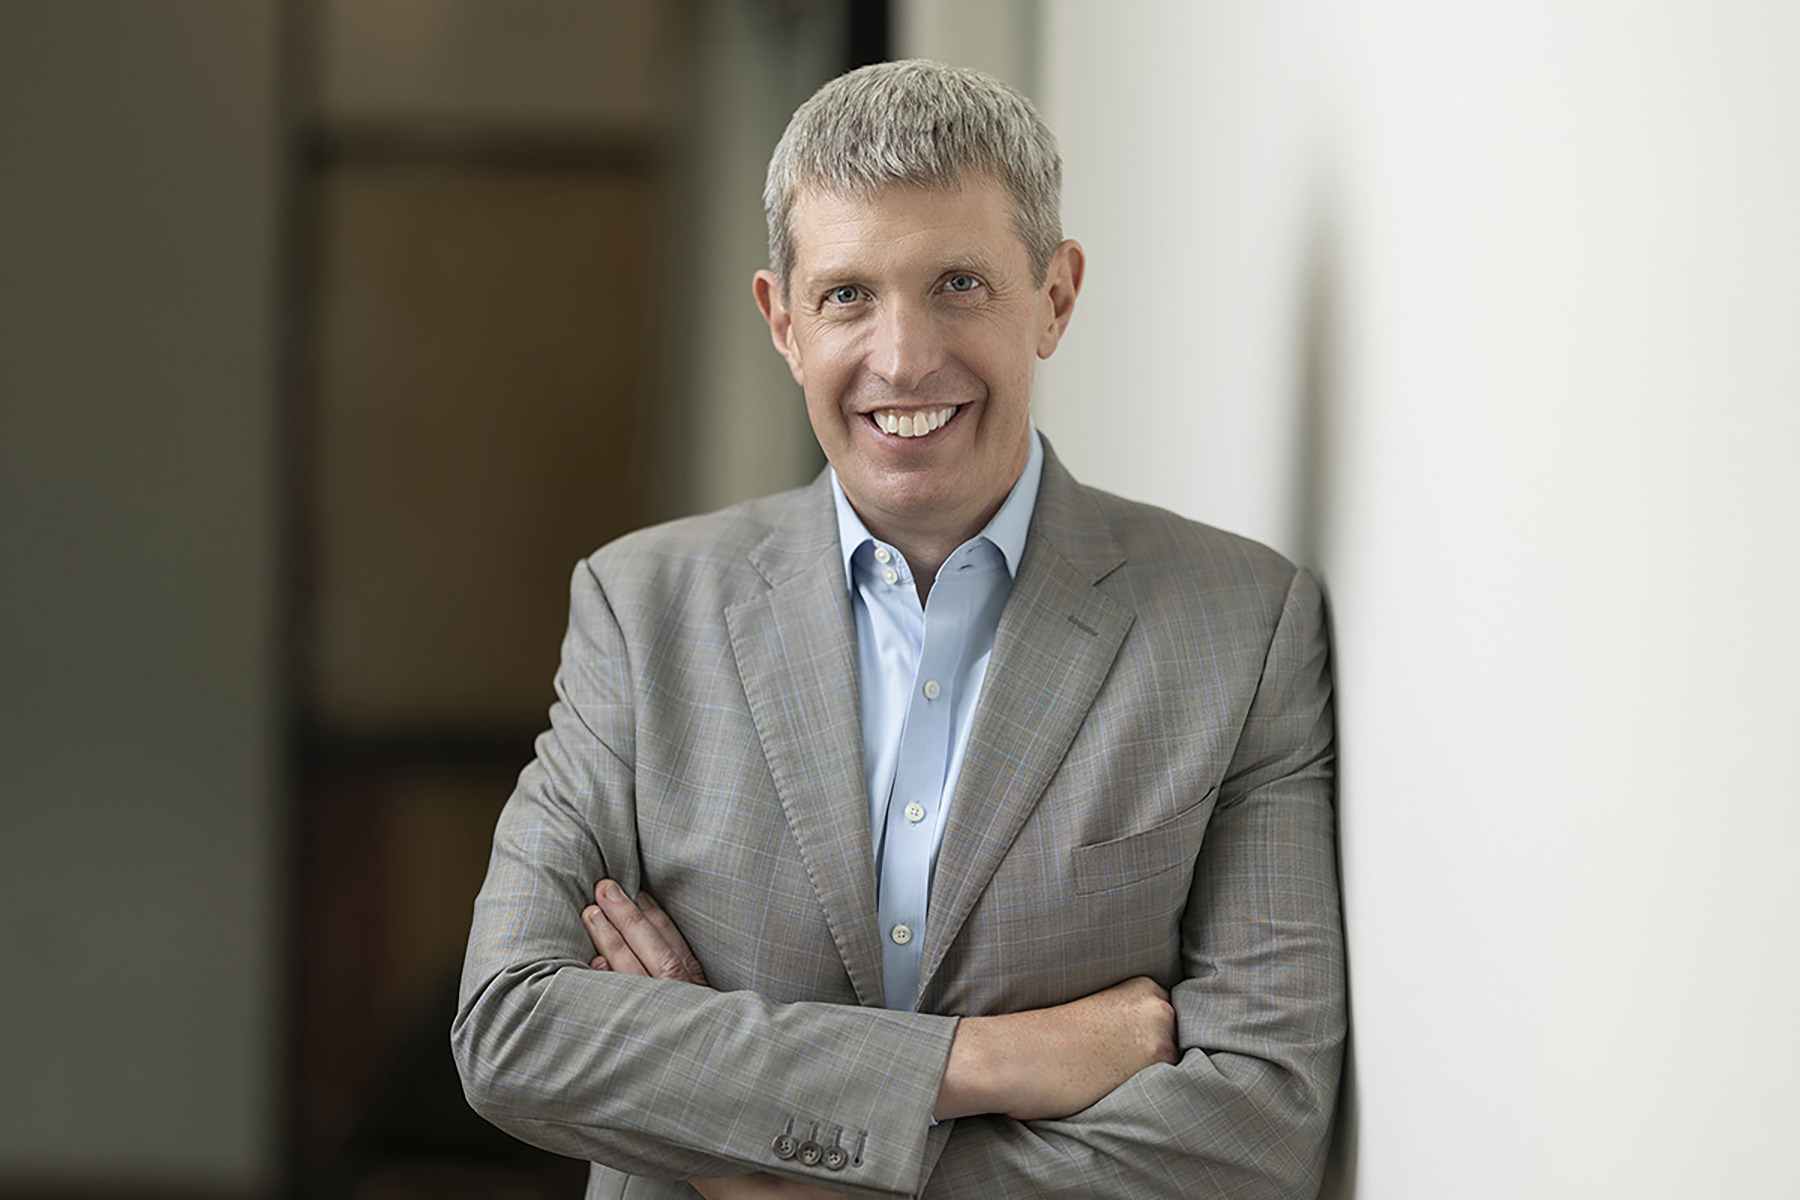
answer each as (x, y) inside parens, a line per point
(831, 274)
(977, 263)
(828, 275)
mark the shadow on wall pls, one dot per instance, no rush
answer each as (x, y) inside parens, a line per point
(1315, 431)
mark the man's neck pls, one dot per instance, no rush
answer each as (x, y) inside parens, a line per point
(927, 539)
(927, 550)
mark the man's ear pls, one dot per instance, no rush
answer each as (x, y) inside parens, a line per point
(781, 323)
(1062, 283)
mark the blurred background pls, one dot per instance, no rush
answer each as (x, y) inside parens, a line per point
(332, 333)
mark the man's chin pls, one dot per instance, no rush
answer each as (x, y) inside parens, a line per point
(916, 499)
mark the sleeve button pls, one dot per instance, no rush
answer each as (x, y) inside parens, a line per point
(835, 1158)
(811, 1153)
(784, 1146)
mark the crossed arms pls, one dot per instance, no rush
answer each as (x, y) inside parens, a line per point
(1034, 1065)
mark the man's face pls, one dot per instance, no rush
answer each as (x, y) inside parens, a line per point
(913, 323)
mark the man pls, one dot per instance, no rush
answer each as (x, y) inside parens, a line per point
(958, 830)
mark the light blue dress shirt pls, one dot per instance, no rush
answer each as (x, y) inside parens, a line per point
(920, 670)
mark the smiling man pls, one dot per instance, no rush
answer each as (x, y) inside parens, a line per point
(944, 828)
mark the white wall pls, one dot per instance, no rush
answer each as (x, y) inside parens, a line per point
(1489, 314)
(1191, 178)
(1560, 549)
(138, 730)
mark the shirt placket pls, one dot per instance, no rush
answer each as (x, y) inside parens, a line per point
(909, 836)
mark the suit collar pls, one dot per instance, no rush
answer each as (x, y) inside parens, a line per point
(1070, 521)
(808, 529)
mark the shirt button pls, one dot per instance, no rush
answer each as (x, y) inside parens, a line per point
(891, 575)
(915, 812)
(932, 690)
(901, 934)
(882, 555)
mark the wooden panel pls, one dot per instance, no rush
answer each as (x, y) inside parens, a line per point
(576, 66)
(483, 339)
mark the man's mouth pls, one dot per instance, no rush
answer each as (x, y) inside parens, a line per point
(912, 424)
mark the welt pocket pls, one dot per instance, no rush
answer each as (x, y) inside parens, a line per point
(1126, 861)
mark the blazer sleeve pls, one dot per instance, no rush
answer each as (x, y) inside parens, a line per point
(657, 1078)
(1261, 1009)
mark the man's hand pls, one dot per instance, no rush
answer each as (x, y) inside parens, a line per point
(1054, 1062)
(1048, 1062)
(637, 938)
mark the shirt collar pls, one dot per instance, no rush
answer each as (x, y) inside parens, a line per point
(1006, 530)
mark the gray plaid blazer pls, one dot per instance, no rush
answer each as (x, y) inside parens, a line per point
(1147, 791)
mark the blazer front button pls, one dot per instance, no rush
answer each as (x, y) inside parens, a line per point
(784, 1146)
(901, 934)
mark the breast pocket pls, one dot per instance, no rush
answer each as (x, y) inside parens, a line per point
(1139, 858)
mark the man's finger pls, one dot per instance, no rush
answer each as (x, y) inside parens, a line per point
(637, 937)
(686, 965)
(682, 963)
(610, 943)
(656, 945)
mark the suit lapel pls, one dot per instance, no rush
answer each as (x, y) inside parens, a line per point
(1056, 642)
(794, 646)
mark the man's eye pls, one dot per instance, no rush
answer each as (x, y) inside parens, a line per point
(848, 293)
(962, 283)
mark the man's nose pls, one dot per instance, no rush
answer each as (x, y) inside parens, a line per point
(907, 347)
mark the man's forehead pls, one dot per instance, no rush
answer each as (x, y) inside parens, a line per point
(971, 219)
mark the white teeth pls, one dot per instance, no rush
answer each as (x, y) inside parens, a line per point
(911, 425)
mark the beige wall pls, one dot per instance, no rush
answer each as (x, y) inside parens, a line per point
(745, 431)
(138, 611)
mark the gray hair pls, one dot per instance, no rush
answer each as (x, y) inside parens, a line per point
(921, 123)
